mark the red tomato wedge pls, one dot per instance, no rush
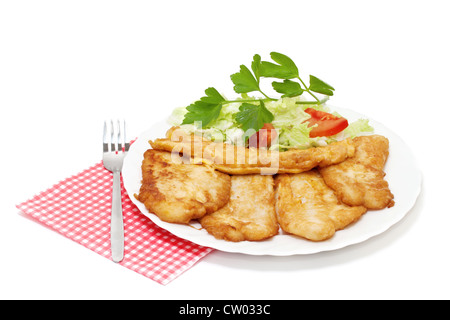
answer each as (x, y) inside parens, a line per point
(327, 124)
(264, 137)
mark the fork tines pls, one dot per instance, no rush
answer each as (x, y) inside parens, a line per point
(113, 141)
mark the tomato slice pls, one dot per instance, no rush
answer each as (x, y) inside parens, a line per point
(327, 124)
(264, 137)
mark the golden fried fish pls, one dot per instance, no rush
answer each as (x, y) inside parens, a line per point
(308, 208)
(250, 213)
(360, 180)
(178, 192)
(240, 160)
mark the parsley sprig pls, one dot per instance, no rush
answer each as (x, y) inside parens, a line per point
(251, 115)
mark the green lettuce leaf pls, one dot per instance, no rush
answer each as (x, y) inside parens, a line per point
(357, 128)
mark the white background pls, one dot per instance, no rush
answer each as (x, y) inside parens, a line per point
(65, 66)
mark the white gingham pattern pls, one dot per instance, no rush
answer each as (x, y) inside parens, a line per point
(79, 208)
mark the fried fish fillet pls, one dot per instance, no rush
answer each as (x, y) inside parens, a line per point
(308, 208)
(250, 213)
(240, 160)
(178, 192)
(360, 180)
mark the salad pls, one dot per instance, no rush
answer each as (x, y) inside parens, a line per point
(281, 123)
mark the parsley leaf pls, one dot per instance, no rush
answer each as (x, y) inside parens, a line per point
(212, 96)
(244, 81)
(252, 116)
(285, 69)
(256, 66)
(317, 85)
(205, 110)
(288, 87)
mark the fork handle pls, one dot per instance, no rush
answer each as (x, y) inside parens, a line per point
(117, 233)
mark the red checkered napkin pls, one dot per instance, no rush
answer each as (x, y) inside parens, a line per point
(79, 208)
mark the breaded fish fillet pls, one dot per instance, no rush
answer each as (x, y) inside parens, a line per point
(250, 213)
(240, 160)
(308, 208)
(360, 180)
(178, 192)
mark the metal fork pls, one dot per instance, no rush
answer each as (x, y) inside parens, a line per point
(115, 147)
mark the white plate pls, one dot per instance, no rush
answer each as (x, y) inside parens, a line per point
(402, 174)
